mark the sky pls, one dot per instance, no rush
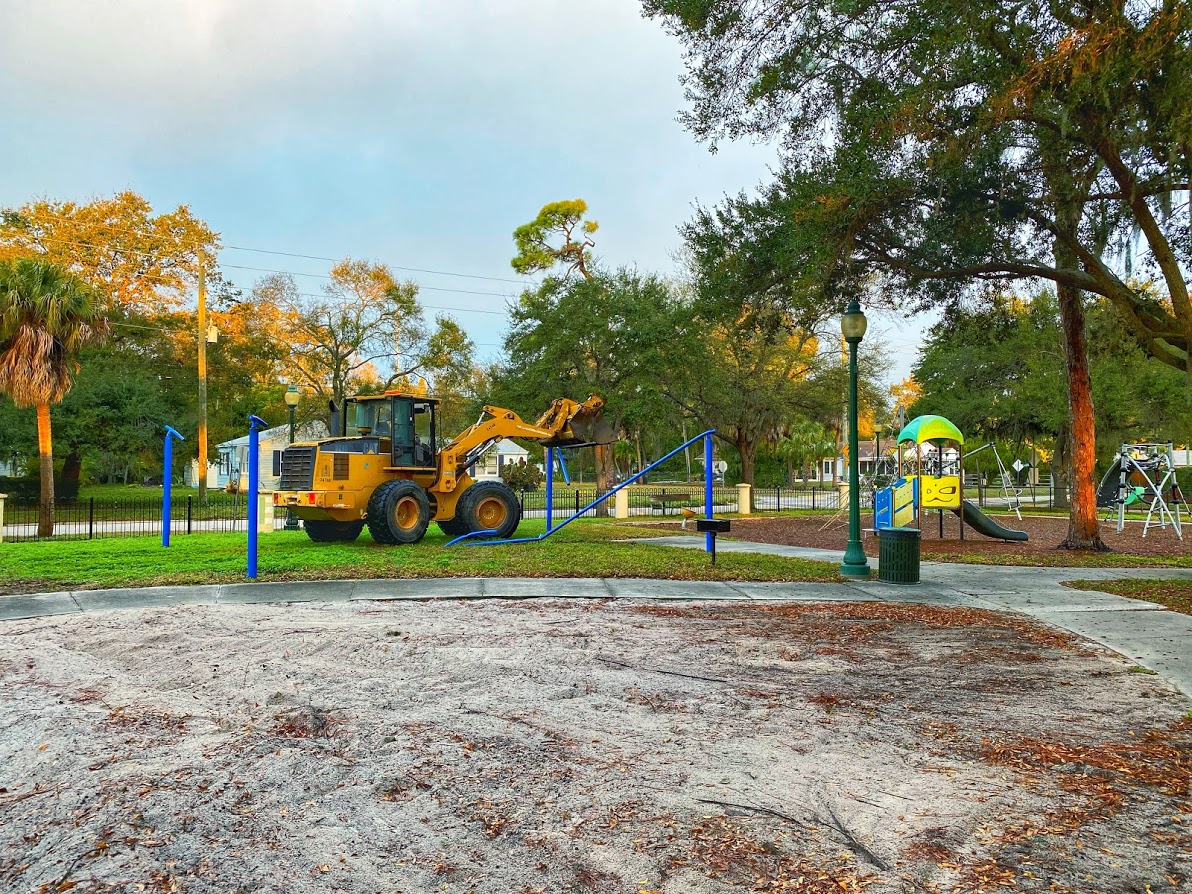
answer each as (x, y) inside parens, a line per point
(415, 132)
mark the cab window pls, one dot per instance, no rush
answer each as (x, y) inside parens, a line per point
(413, 433)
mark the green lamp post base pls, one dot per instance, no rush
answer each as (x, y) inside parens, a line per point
(849, 570)
(855, 564)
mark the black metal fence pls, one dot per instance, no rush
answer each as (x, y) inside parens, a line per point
(1028, 496)
(98, 517)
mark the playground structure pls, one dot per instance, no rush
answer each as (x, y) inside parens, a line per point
(934, 481)
(1144, 474)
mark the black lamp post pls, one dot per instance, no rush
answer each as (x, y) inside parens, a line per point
(852, 327)
(292, 396)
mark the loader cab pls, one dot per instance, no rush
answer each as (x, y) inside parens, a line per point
(407, 421)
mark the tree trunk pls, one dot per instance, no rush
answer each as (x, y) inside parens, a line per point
(72, 468)
(748, 451)
(1060, 465)
(1083, 532)
(606, 478)
(45, 452)
(1070, 186)
(686, 452)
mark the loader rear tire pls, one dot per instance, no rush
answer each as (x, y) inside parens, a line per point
(329, 531)
(398, 512)
(489, 506)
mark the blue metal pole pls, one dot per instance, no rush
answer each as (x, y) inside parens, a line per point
(550, 490)
(708, 501)
(563, 466)
(600, 499)
(254, 474)
(167, 472)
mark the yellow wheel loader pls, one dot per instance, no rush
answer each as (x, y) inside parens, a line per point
(384, 467)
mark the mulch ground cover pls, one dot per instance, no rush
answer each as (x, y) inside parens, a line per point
(1045, 533)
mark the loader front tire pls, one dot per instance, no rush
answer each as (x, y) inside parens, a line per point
(328, 531)
(453, 527)
(489, 506)
(398, 512)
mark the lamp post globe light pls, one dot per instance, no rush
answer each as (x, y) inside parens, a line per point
(292, 396)
(852, 327)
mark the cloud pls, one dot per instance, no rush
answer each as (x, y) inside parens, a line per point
(215, 59)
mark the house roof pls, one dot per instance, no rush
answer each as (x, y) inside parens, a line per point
(305, 432)
(506, 447)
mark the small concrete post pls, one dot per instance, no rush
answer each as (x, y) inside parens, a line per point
(265, 512)
(3, 497)
(744, 499)
(842, 494)
(621, 507)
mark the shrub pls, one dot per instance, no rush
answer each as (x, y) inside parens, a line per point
(522, 475)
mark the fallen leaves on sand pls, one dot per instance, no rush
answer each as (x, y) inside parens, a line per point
(727, 851)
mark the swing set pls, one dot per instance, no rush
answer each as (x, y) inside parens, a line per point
(1011, 493)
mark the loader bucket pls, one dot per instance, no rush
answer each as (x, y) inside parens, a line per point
(576, 424)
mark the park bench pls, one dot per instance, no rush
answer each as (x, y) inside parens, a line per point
(679, 498)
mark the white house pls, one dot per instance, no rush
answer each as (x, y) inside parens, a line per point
(501, 454)
(232, 462)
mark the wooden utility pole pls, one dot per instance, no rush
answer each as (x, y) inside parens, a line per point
(202, 381)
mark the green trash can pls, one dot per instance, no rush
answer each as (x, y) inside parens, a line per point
(898, 555)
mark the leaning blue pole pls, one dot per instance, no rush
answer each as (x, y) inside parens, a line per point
(255, 423)
(550, 490)
(709, 506)
(166, 474)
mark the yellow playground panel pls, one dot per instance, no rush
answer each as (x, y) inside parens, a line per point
(940, 491)
(904, 503)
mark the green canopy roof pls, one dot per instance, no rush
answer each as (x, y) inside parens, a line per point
(930, 428)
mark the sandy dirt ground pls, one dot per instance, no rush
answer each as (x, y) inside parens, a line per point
(560, 746)
(1045, 533)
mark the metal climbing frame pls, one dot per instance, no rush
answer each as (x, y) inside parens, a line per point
(550, 508)
(1143, 460)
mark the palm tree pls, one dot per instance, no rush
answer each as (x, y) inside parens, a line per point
(46, 316)
(804, 444)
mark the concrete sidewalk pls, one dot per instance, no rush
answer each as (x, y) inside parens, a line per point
(1142, 631)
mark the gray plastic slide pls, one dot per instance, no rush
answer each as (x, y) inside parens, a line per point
(972, 516)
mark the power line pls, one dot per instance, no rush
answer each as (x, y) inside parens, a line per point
(137, 229)
(281, 341)
(327, 276)
(290, 254)
(164, 281)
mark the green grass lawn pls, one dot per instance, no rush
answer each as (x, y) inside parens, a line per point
(583, 549)
(1064, 559)
(1174, 594)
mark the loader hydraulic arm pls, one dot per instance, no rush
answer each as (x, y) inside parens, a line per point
(566, 424)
